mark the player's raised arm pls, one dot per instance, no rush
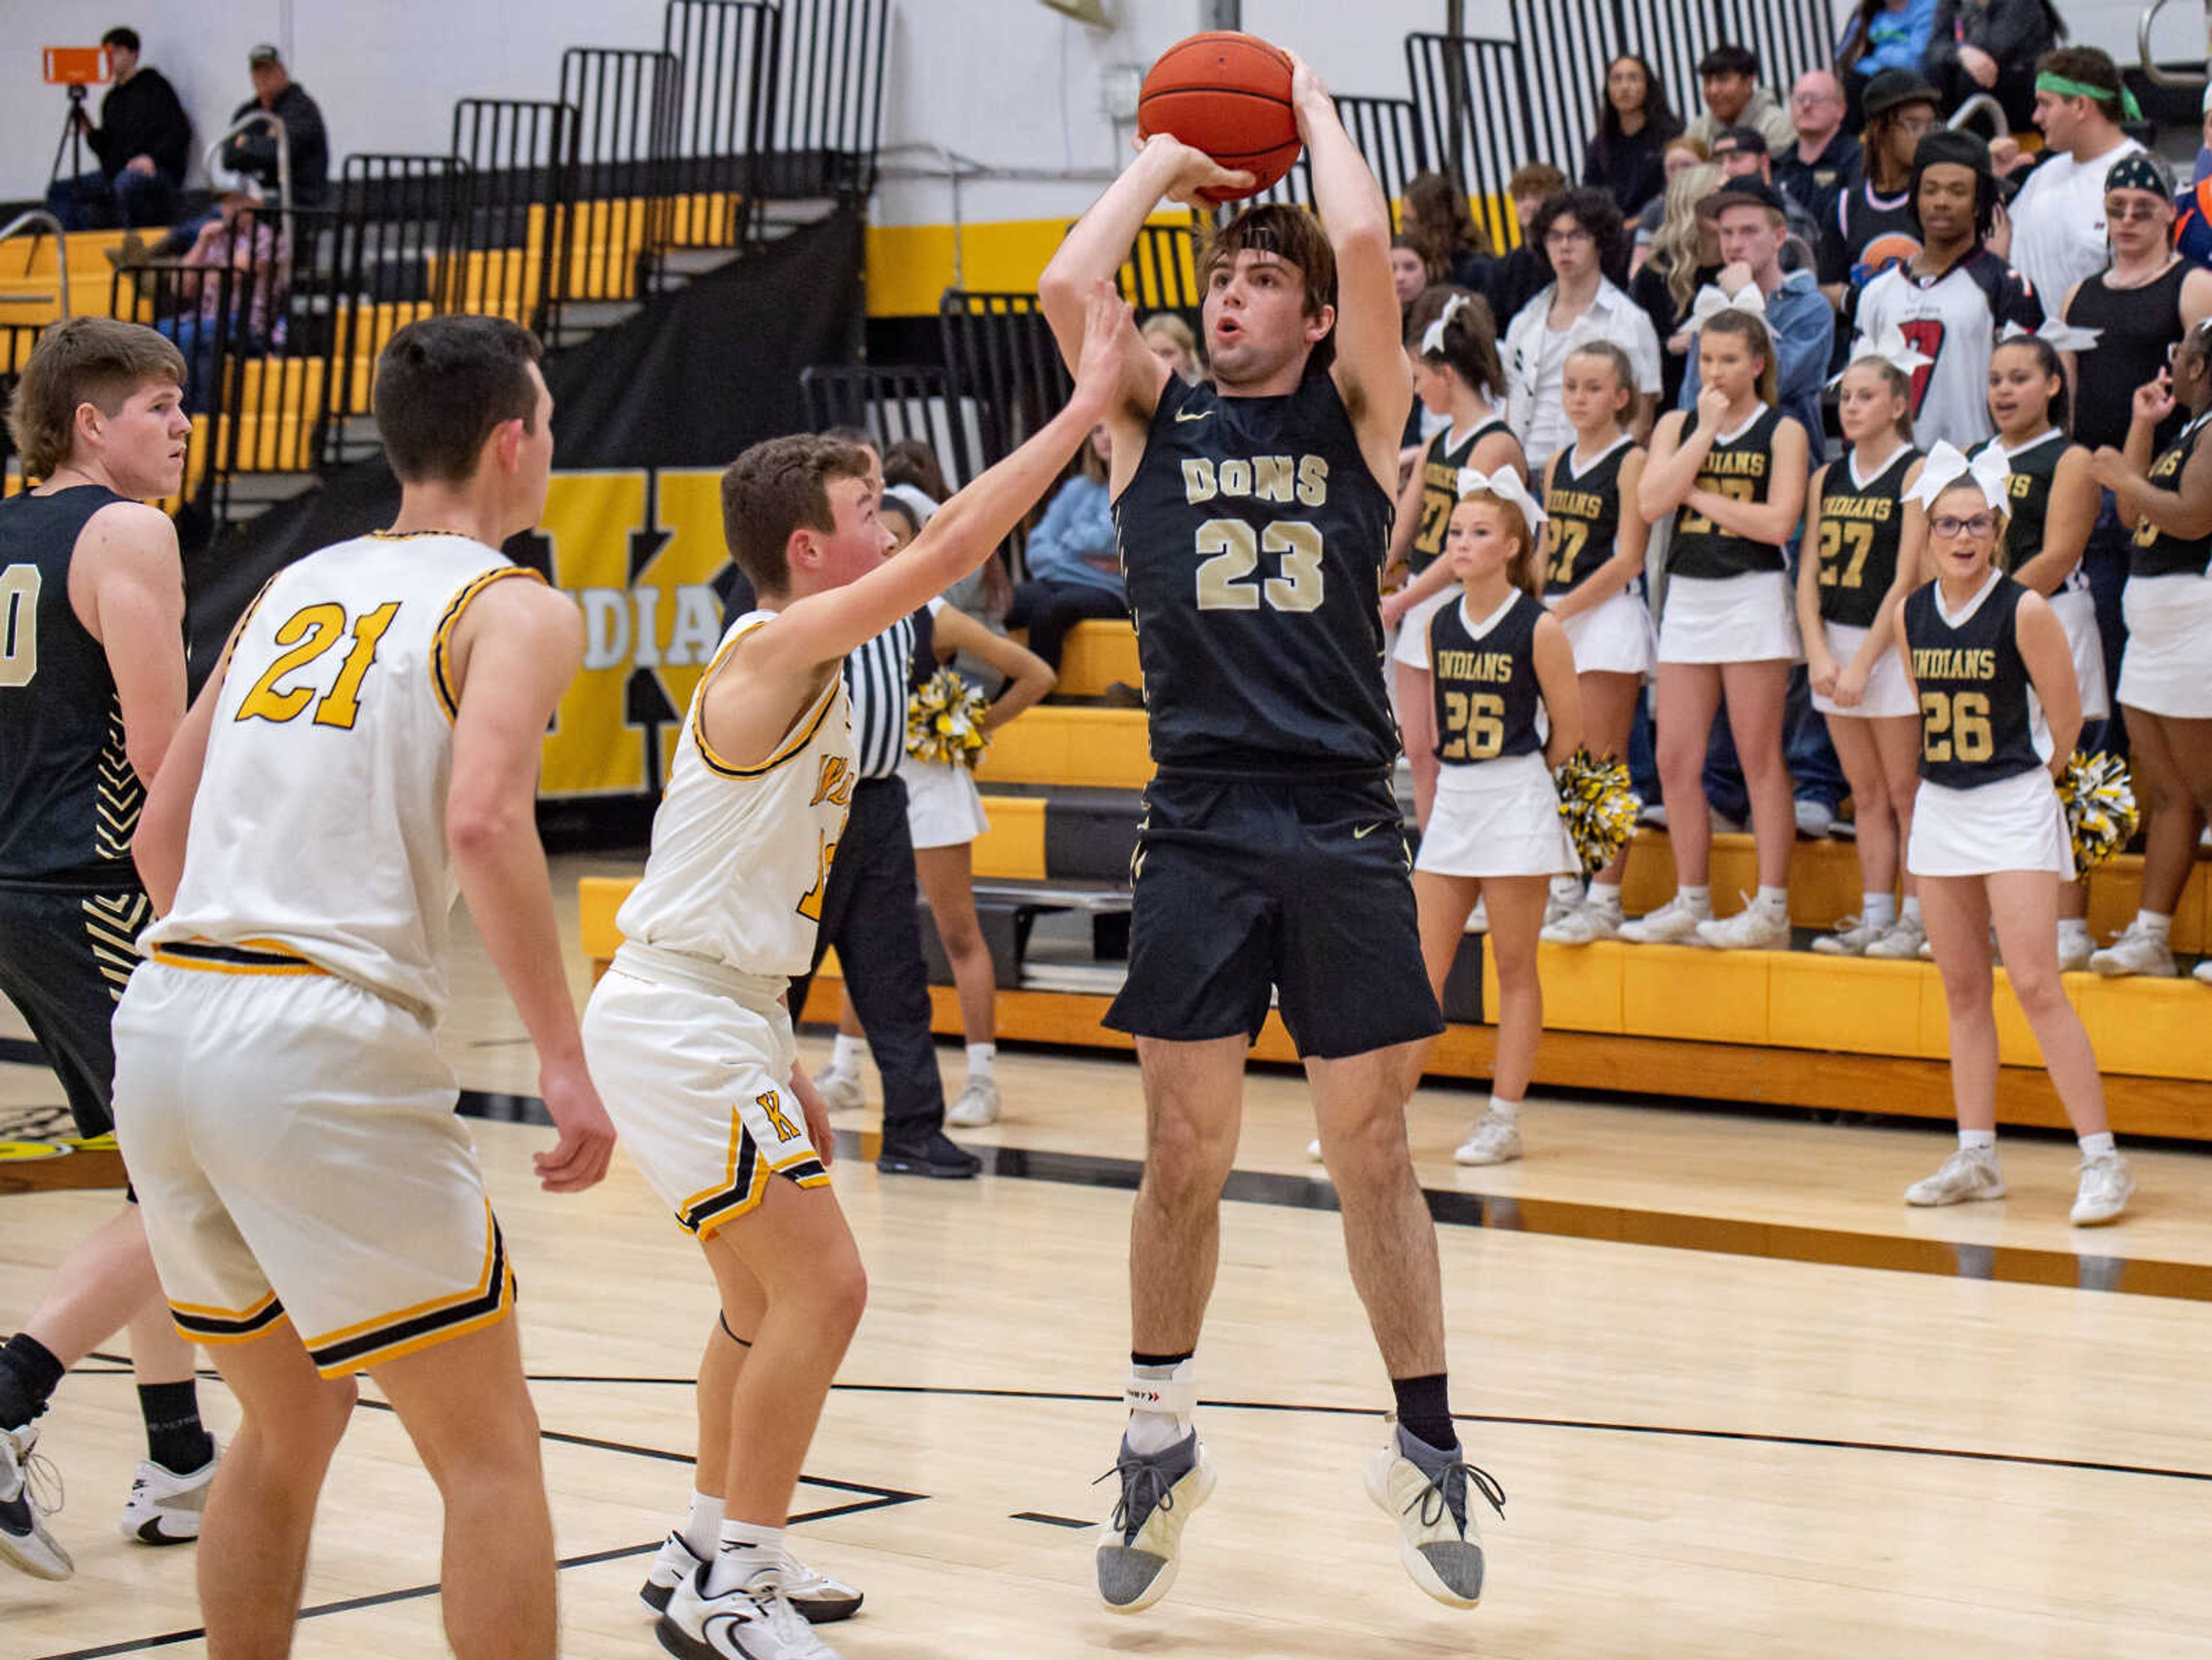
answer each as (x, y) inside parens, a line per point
(1371, 359)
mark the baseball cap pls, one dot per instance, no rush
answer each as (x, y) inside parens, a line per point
(1747, 192)
(1891, 87)
(263, 53)
(1740, 141)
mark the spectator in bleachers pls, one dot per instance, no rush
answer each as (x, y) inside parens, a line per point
(1074, 557)
(2058, 216)
(1872, 227)
(1686, 255)
(1741, 153)
(1881, 34)
(1634, 125)
(254, 151)
(1412, 268)
(244, 240)
(1438, 213)
(1515, 278)
(914, 478)
(2192, 225)
(1750, 220)
(1825, 160)
(1679, 155)
(1172, 340)
(1990, 45)
(144, 140)
(1953, 298)
(1728, 78)
(1580, 232)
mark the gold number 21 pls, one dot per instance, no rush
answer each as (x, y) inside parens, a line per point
(310, 632)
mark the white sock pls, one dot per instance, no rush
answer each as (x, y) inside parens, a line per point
(1697, 899)
(1508, 1111)
(1969, 1139)
(845, 1053)
(746, 1550)
(1912, 912)
(2096, 1146)
(703, 1532)
(1157, 1431)
(1605, 895)
(1568, 888)
(2156, 924)
(2070, 927)
(979, 1057)
(1880, 909)
(1773, 899)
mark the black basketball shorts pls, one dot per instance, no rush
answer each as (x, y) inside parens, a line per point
(1245, 887)
(65, 955)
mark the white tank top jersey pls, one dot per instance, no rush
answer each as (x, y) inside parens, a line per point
(741, 855)
(319, 830)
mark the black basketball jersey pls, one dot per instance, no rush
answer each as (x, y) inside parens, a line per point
(1742, 467)
(1485, 685)
(1440, 466)
(1977, 718)
(2155, 552)
(1584, 508)
(2034, 466)
(1253, 537)
(1860, 526)
(69, 798)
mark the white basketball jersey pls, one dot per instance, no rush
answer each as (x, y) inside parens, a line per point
(320, 825)
(740, 855)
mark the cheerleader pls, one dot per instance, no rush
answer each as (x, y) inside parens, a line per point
(1593, 562)
(1456, 376)
(1999, 714)
(944, 815)
(1731, 474)
(1862, 553)
(2165, 672)
(2053, 509)
(1498, 677)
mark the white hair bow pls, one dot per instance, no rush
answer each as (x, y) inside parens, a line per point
(1946, 466)
(1432, 337)
(1893, 348)
(1711, 302)
(1505, 484)
(2057, 335)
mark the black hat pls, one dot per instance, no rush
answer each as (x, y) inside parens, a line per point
(1749, 141)
(1749, 191)
(1944, 147)
(1888, 88)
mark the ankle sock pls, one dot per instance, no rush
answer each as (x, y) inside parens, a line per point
(845, 1053)
(2156, 924)
(1605, 895)
(981, 1057)
(2096, 1146)
(1502, 1108)
(1161, 1395)
(1773, 899)
(743, 1550)
(1970, 1140)
(1424, 1410)
(175, 1438)
(1567, 890)
(1879, 910)
(703, 1532)
(30, 1373)
(1910, 911)
(1699, 899)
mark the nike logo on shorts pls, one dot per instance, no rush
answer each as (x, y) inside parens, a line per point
(1366, 831)
(1192, 415)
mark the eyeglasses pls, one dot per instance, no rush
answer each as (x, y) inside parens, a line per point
(2127, 213)
(1982, 524)
(1561, 235)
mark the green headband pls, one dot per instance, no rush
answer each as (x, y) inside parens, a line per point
(2130, 110)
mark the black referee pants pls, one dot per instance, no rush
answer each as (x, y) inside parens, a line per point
(870, 913)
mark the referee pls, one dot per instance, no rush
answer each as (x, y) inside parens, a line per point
(870, 908)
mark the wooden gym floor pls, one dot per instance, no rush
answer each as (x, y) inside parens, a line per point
(1743, 1403)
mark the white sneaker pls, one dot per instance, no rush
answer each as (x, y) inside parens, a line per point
(676, 1562)
(1851, 937)
(1584, 924)
(1814, 820)
(2076, 945)
(976, 1105)
(1313, 1149)
(1478, 919)
(820, 1600)
(1438, 1542)
(1495, 1140)
(2135, 951)
(2105, 1189)
(165, 1508)
(1901, 942)
(2203, 971)
(29, 1492)
(755, 1622)
(1557, 908)
(1755, 927)
(841, 1090)
(1969, 1173)
(1674, 923)
(1140, 1546)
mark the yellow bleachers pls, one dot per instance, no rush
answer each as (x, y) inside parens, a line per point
(1095, 656)
(1055, 745)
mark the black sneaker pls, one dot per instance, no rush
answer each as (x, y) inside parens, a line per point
(937, 1156)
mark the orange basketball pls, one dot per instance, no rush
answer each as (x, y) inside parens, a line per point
(1228, 95)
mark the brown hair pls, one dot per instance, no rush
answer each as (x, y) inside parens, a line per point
(1293, 237)
(444, 384)
(1438, 212)
(86, 360)
(1624, 371)
(2090, 68)
(1536, 178)
(1470, 343)
(1523, 570)
(1900, 384)
(776, 487)
(1752, 332)
(913, 461)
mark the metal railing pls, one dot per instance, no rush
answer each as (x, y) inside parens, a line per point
(726, 49)
(520, 154)
(213, 160)
(2152, 71)
(825, 119)
(1981, 104)
(1477, 115)
(893, 401)
(39, 220)
(625, 105)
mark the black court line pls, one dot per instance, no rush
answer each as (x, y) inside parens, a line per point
(1068, 1522)
(21, 1052)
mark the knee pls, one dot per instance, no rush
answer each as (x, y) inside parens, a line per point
(839, 1297)
(1186, 1166)
(2041, 995)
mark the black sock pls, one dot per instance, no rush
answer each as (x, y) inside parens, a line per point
(175, 1438)
(28, 1375)
(1137, 1359)
(1424, 1409)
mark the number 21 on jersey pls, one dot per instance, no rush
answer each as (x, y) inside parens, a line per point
(309, 632)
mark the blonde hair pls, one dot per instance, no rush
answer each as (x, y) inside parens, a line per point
(1524, 571)
(1169, 327)
(1675, 245)
(1751, 331)
(1901, 386)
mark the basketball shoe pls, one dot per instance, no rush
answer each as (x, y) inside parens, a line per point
(1970, 1173)
(1674, 923)
(25, 1543)
(1494, 1140)
(755, 1622)
(1438, 1542)
(820, 1600)
(165, 1508)
(1139, 1548)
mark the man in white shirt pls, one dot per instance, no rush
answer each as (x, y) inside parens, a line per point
(2058, 217)
(1580, 232)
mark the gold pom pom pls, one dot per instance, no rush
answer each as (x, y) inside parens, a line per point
(945, 720)
(1598, 807)
(2099, 800)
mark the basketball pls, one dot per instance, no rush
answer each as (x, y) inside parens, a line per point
(1228, 95)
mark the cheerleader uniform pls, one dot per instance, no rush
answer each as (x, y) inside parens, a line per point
(1497, 810)
(1986, 801)
(1728, 597)
(943, 808)
(2166, 668)
(1583, 503)
(2034, 464)
(1440, 470)
(1862, 525)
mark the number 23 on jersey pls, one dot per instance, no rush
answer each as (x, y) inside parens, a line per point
(1229, 551)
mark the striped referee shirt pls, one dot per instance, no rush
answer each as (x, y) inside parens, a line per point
(876, 676)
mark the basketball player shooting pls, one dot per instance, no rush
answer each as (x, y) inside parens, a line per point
(1254, 518)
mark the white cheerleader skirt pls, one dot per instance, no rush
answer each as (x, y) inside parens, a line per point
(2166, 668)
(2076, 611)
(1496, 819)
(1615, 637)
(1887, 692)
(1411, 646)
(2015, 824)
(943, 808)
(1730, 619)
